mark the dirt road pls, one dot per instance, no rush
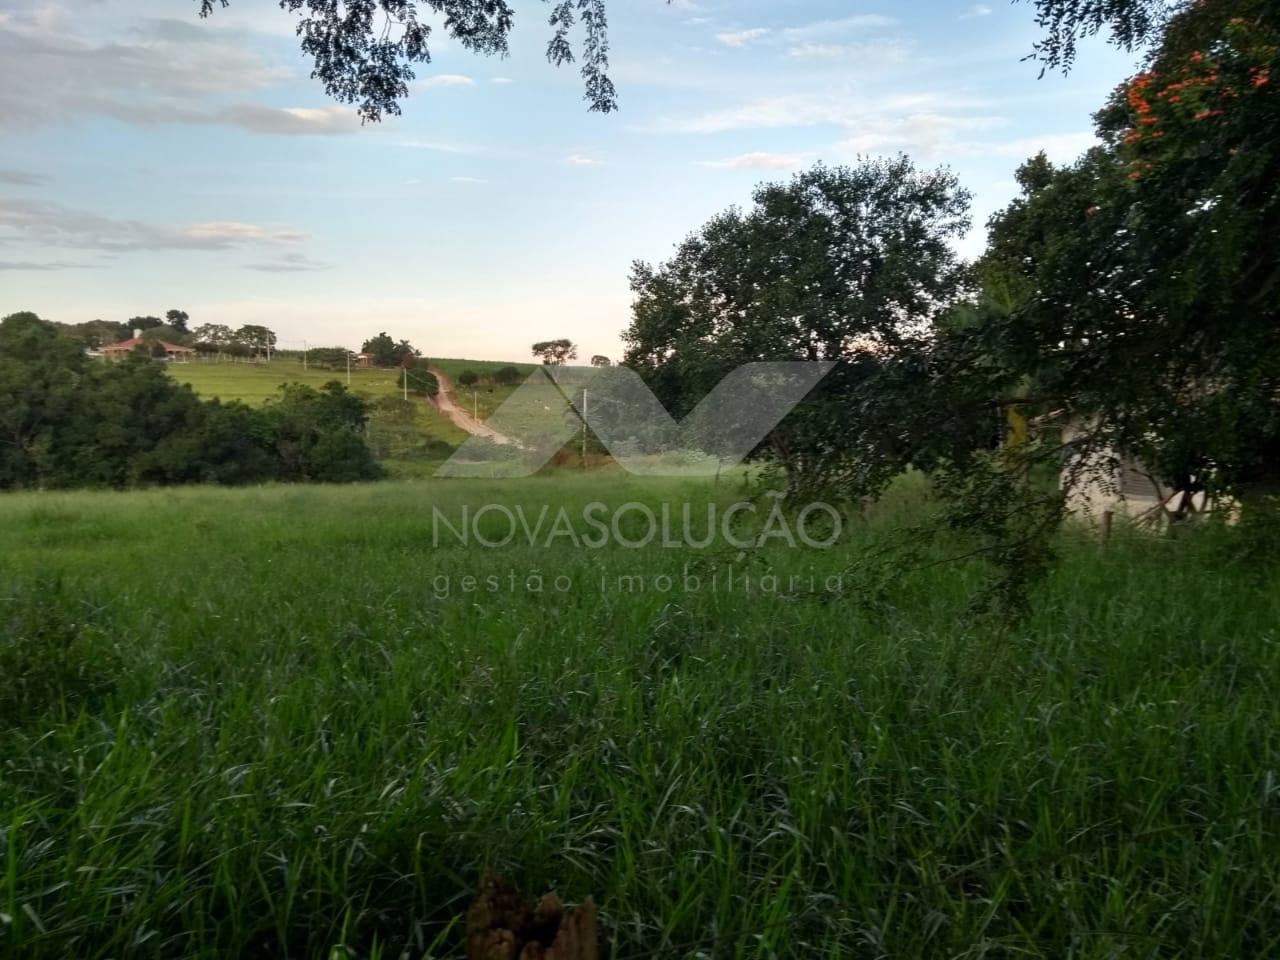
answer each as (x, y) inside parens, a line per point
(461, 418)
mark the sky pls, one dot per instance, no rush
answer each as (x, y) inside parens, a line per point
(150, 159)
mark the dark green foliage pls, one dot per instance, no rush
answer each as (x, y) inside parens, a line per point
(67, 421)
(1146, 277)
(143, 324)
(843, 264)
(1133, 295)
(555, 352)
(258, 339)
(388, 352)
(317, 434)
(97, 333)
(216, 334)
(423, 383)
(468, 378)
(329, 358)
(178, 320)
(506, 376)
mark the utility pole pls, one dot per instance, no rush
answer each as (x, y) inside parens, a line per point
(304, 355)
(475, 406)
(348, 368)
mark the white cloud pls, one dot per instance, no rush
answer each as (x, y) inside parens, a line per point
(828, 29)
(467, 180)
(54, 225)
(758, 161)
(807, 110)
(742, 38)
(442, 146)
(580, 160)
(45, 266)
(287, 121)
(870, 52)
(22, 178)
(501, 80)
(447, 80)
(155, 69)
(288, 263)
(977, 10)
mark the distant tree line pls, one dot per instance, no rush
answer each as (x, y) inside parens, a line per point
(67, 421)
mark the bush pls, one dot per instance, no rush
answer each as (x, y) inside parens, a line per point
(468, 378)
(506, 376)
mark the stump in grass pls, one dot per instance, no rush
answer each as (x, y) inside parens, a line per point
(501, 925)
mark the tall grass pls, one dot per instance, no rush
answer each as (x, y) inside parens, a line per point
(257, 724)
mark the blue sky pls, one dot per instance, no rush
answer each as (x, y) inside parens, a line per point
(151, 160)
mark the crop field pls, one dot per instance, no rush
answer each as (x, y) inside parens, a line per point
(302, 722)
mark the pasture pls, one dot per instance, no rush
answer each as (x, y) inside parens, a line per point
(406, 449)
(255, 383)
(299, 722)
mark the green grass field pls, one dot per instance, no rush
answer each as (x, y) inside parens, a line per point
(255, 383)
(280, 722)
(453, 367)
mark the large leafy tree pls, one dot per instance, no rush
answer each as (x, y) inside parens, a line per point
(1149, 271)
(215, 334)
(851, 265)
(389, 352)
(256, 337)
(555, 353)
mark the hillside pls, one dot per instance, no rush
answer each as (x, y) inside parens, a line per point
(406, 447)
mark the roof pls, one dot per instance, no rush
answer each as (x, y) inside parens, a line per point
(128, 346)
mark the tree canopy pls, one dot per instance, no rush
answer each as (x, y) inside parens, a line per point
(388, 352)
(555, 353)
(851, 265)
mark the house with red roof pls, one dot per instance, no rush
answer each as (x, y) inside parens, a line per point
(172, 351)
